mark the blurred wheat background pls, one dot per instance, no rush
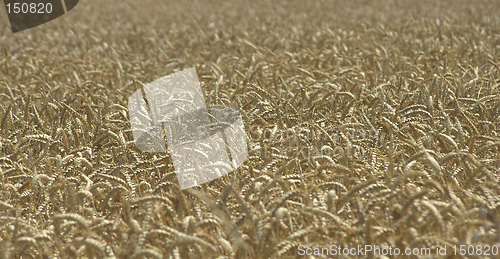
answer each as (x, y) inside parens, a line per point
(423, 77)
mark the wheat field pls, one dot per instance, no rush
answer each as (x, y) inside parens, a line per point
(368, 123)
